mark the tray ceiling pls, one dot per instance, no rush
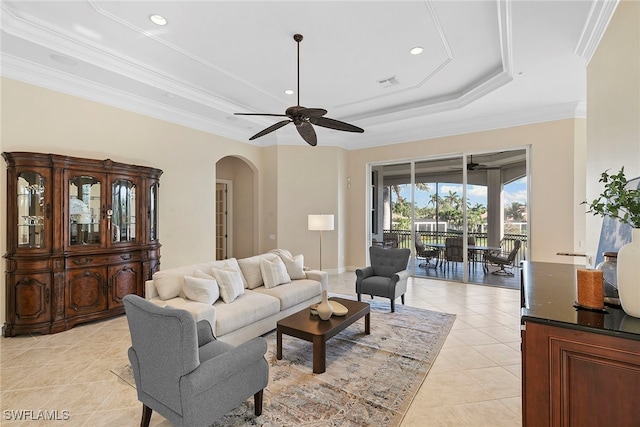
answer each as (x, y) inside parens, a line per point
(485, 64)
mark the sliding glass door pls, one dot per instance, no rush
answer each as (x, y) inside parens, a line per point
(451, 211)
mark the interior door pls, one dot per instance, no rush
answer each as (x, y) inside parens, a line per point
(223, 219)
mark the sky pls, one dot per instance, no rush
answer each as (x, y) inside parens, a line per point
(513, 192)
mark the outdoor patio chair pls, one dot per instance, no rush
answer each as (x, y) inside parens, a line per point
(502, 260)
(428, 254)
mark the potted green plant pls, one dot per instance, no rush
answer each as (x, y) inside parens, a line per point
(617, 200)
(622, 202)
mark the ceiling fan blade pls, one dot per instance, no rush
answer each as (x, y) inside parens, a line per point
(312, 112)
(260, 114)
(307, 133)
(270, 129)
(334, 124)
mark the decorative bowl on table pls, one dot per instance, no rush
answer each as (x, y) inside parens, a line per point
(338, 309)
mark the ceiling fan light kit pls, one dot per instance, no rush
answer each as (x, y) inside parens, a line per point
(302, 117)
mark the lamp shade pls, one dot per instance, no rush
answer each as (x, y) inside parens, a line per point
(320, 222)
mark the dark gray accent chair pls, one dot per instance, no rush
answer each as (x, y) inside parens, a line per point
(386, 276)
(184, 373)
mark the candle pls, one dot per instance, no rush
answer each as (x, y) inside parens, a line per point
(590, 288)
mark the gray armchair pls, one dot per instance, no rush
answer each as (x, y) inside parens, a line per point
(183, 372)
(386, 276)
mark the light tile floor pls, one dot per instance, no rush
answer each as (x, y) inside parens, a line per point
(475, 380)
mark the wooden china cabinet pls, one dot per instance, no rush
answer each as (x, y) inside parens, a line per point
(81, 234)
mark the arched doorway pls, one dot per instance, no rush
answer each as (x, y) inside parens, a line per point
(236, 208)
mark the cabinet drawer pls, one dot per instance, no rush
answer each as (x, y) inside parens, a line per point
(29, 265)
(101, 259)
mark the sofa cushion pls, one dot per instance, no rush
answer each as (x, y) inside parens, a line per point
(230, 283)
(201, 290)
(250, 268)
(293, 293)
(248, 308)
(202, 275)
(169, 282)
(274, 273)
(294, 264)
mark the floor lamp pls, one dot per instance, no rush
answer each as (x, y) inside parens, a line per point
(320, 223)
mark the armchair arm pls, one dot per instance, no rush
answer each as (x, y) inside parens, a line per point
(216, 369)
(205, 332)
(400, 276)
(363, 273)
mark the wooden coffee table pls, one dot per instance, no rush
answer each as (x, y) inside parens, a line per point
(309, 327)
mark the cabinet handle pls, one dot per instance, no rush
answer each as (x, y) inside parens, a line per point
(125, 256)
(82, 261)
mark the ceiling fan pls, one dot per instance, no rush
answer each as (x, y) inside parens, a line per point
(473, 166)
(303, 117)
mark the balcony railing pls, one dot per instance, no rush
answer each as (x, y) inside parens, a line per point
(402, 239)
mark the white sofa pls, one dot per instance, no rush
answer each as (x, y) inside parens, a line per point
(252, 313)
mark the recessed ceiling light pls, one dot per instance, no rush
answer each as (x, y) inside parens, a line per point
(416, 50)
(288, 92)
(158, 20)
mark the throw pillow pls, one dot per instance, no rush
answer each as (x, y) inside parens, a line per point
(294, 265)
(274, 273)
(201, 290)
(230, 283)
(250, 268)
(202, 275)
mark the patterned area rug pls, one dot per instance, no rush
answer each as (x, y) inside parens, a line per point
(370, 380)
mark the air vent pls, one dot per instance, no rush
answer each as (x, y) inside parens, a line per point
(389, 81)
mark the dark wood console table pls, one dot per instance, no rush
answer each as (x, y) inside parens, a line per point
(579, 367)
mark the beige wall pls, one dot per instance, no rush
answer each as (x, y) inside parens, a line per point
(552, 199)
(310, 181)
(613, 106)
(41, 120)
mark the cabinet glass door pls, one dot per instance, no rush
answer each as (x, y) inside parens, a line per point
(123, 220)
(153, 212)
(84, 210)
(31, 210)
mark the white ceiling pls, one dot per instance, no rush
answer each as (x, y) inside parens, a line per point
(486, 64)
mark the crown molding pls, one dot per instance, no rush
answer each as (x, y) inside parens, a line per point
(569, 110)
(600, 14)
(454, 101)
(36, 74)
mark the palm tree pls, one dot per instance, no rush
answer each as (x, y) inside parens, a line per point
(515, 211)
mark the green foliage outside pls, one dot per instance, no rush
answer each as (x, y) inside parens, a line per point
(449, 209)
